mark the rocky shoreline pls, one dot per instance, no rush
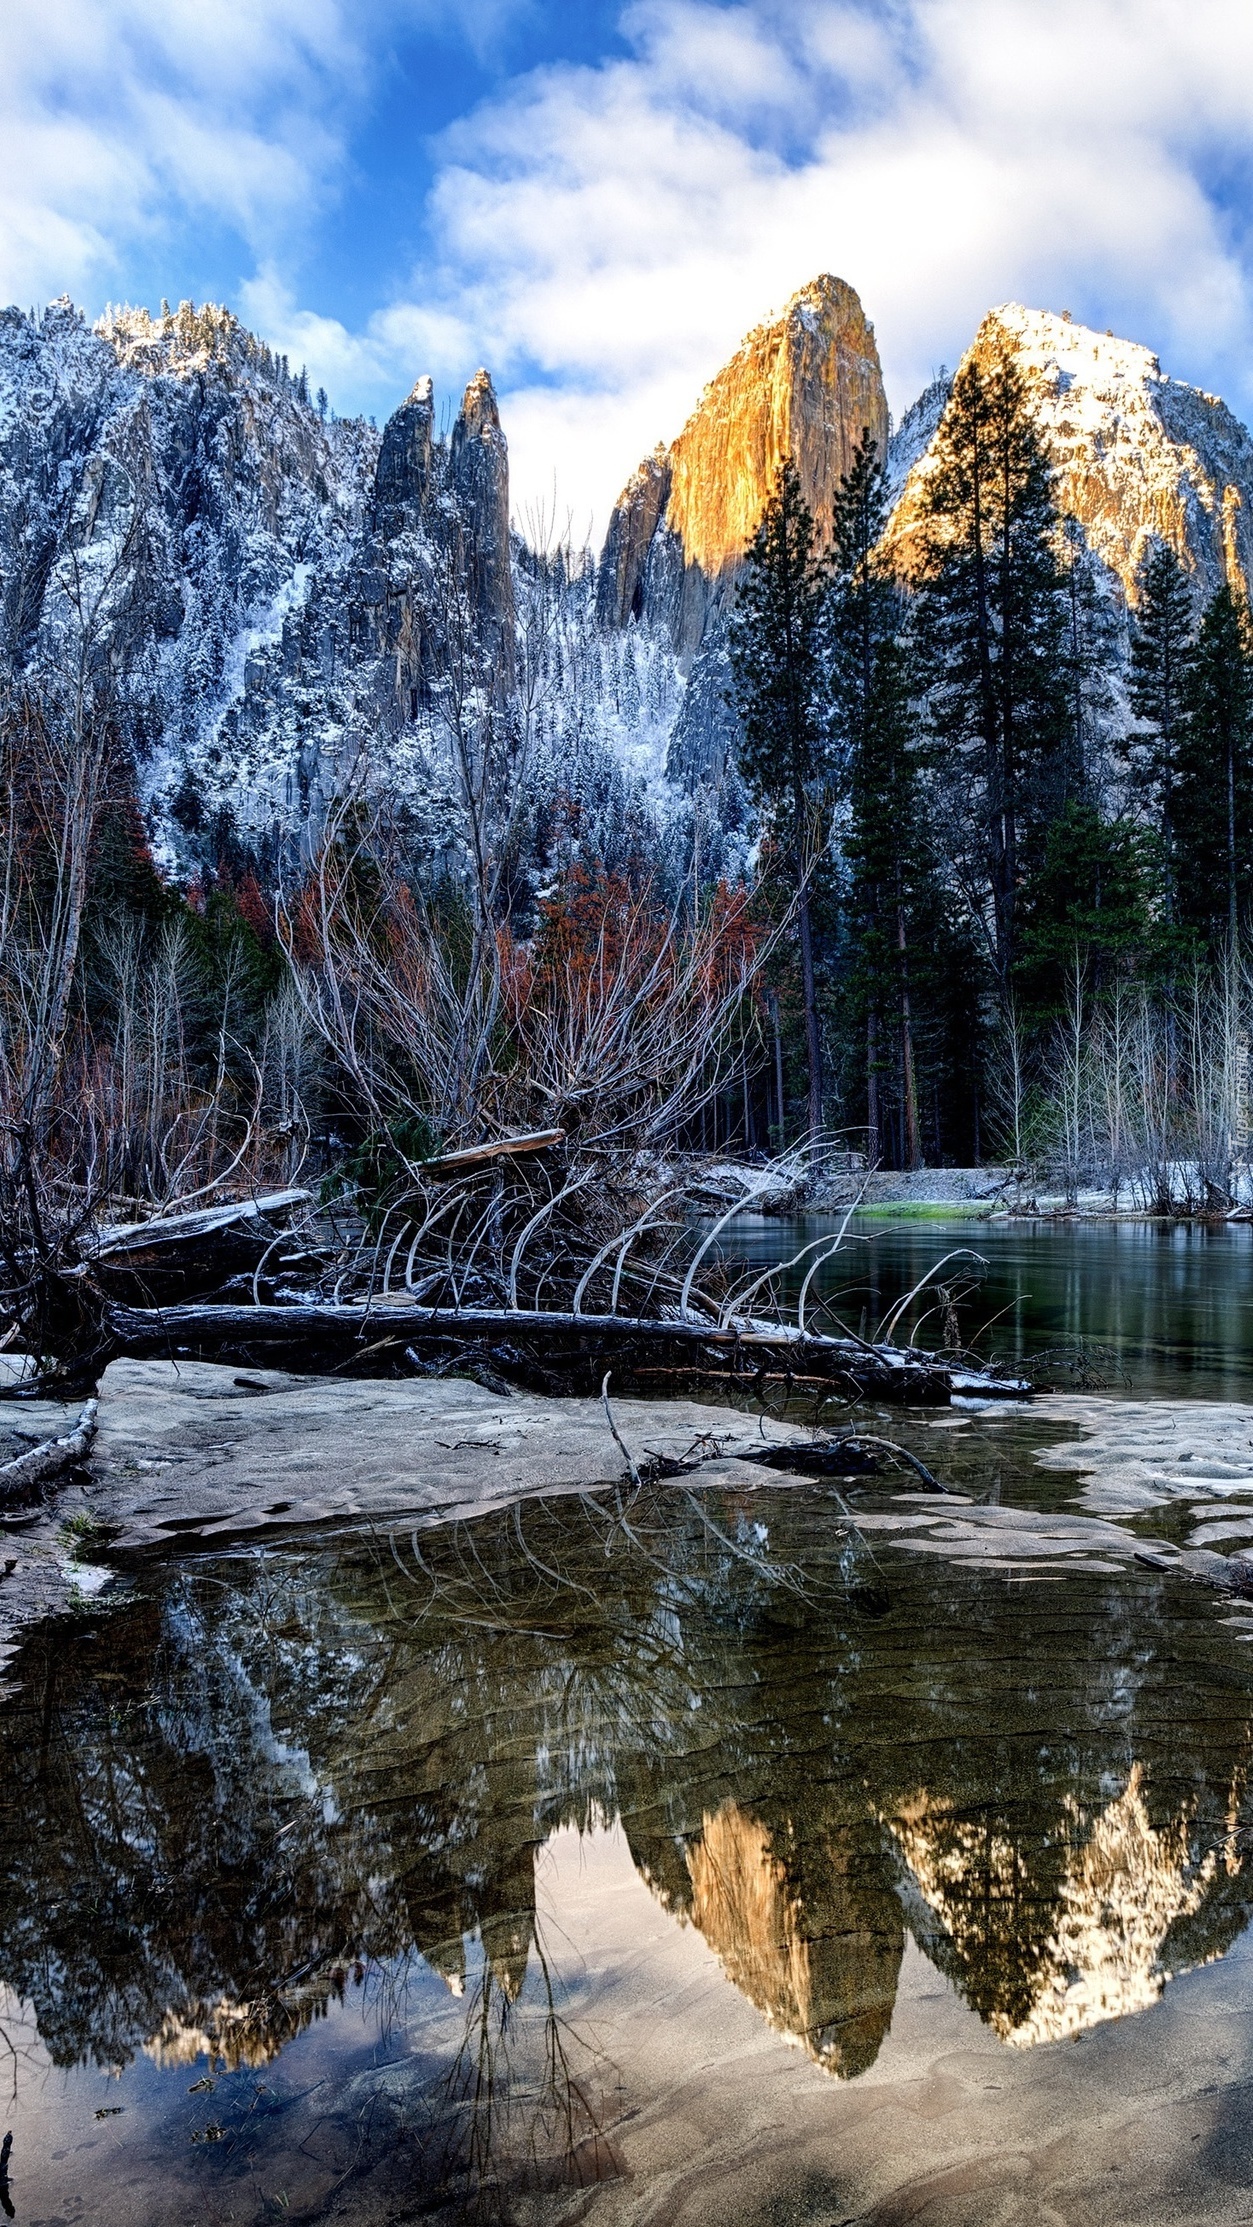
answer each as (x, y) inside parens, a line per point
(979, 1192)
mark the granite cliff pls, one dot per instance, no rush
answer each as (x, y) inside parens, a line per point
(278, 580)
(282, 583)
(803, 385)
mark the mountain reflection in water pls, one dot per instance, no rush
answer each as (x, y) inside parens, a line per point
(227, 1801)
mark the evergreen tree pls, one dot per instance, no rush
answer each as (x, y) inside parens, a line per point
(991, 633)
(885, 847)
(1090, 907)
(775, 642)
(1089, 632)
(1163, 659)
(1213, 791)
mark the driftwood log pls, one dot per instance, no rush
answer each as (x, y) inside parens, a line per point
(20, 1477)
(182, 1256)
(474, 1156)
(546, 1349)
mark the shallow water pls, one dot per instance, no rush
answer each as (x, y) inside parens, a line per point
(707, 1868)
(1156, 1307)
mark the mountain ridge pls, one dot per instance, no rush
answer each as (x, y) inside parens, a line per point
(288, 573)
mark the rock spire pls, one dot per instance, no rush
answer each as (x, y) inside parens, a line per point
(479, 472)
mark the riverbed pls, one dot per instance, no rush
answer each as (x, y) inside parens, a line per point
(675, 1855)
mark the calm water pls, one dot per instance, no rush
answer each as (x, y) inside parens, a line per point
(1155, 1307)
(710, 1871)
(680, 1863)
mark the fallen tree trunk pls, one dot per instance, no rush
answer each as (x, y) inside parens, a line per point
(534, 1346)
(473, 1156)
(21, 1476)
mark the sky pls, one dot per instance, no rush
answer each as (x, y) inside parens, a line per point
(596, 201)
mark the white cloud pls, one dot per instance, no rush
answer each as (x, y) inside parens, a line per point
(602, 236)
(397, 344)
(608, 234)
(125, 122)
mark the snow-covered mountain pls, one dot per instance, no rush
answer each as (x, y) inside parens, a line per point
(169, 491)
(1136, 454)
(278, 591)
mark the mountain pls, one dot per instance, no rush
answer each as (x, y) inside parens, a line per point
(268, 583)
(1136, 454)
(279, 594)
(803, 385)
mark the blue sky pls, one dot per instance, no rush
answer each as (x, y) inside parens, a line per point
(598, 200)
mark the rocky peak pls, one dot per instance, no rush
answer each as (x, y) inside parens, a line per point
(189, 341)
(479, 472)
(479, 416)
(1137, 455)
(805, 385)
(402, 479)
(636, 516)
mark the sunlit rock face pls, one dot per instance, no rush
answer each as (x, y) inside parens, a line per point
(803, 385)
(813, 1938)
(1137, 455)
(1103, 1948)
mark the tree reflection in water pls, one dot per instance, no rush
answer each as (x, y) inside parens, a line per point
(279, 1776)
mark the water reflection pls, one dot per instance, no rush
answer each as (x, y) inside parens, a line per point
(1167, 1306)
(230, 1804)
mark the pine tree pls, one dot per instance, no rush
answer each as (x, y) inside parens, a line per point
(885, 846)
(775, 643)
(991, 633)
(1213, 791)
(1089, 634)
(1163, 660)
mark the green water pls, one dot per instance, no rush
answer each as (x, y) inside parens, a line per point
(1155, 1307)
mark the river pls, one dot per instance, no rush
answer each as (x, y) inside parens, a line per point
(696, 1859)
(1151, 1306)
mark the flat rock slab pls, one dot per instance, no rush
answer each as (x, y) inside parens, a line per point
(1135, 1455)
(27, 1423)
(1021, 1542)
(193, 1450)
